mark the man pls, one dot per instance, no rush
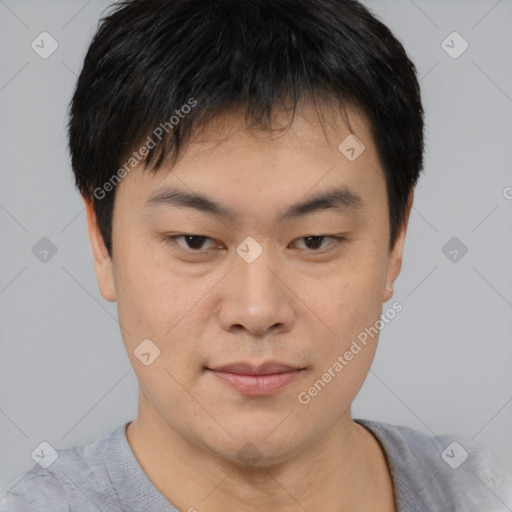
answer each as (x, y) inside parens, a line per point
(248, 170)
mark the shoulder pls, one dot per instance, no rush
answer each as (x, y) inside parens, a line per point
(35, 490)
(76, 480)
(441, 472)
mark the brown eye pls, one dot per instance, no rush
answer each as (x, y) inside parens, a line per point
(314, 242)
(194, 243)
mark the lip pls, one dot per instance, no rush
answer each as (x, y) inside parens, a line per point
(261, 380)
(266, 368)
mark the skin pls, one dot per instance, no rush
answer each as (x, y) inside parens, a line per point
(299, 302)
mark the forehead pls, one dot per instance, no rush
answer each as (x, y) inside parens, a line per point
(229, 159)
(312, 130)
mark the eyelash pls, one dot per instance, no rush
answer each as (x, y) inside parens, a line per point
(173, 238)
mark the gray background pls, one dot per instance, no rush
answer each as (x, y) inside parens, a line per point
(444, 363)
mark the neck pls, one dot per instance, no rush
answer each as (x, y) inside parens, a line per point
(344, 470)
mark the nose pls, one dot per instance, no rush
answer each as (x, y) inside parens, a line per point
(257, 297)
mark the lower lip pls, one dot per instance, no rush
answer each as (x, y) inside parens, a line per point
(257, 385)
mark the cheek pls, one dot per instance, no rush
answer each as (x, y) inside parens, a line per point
(350, 306)
(349, 303)
(349, 298)
(328, 395)
(157, 303)
(149, 296)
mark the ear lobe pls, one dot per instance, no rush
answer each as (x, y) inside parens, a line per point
(395, 257)
(102, 261)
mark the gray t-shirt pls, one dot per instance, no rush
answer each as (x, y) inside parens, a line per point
(430, 474)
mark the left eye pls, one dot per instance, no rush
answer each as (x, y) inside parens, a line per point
(195, 243)
(315, 241)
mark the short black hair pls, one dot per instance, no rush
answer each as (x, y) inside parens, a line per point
(171, 66)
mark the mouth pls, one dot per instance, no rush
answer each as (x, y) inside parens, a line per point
(250, 380)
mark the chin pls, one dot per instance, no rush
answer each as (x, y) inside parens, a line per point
(258, 450)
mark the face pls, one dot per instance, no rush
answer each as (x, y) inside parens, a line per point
(258, 270)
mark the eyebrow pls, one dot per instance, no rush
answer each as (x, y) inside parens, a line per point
(341, 198)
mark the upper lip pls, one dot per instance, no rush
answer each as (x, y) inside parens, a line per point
(266, 368)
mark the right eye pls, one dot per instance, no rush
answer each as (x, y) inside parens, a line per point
(192, 243)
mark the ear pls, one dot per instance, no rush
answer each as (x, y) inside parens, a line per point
(102, 261)
(395, 257)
